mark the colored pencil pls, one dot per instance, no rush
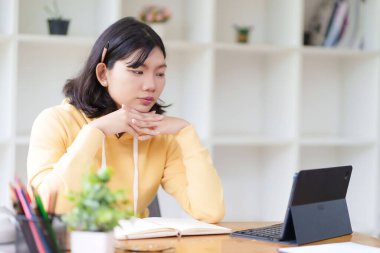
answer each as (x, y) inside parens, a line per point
(45, 216)
(29, 217)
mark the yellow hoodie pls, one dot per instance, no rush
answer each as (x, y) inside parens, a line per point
(63, 147)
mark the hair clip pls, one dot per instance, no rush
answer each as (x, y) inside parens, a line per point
(104, 52)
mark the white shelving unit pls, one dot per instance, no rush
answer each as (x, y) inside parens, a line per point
(265, 109)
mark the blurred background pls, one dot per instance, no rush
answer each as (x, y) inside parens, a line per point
(272, 87)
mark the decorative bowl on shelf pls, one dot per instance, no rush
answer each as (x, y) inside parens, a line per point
(156, 17)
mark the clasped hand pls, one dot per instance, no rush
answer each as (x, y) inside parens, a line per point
(143, 125)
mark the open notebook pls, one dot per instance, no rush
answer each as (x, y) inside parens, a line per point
(163, 227)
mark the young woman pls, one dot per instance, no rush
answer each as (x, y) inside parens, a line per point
(112, 117)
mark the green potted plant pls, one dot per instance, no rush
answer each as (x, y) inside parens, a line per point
(96, 212)
(242, 33)
(57, 24)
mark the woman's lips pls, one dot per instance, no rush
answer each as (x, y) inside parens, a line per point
(146, 100)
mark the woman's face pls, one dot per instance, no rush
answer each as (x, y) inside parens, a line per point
(137, 88)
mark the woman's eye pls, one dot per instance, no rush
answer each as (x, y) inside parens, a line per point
(160, 74)
(137, 72)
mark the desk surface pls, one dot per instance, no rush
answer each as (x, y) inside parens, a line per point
(228, 244)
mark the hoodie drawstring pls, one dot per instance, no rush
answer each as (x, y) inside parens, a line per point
(136, 170)
(136, 174)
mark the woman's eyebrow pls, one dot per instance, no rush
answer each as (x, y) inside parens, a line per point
(163, 65)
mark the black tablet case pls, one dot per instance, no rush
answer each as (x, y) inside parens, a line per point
(317, 207)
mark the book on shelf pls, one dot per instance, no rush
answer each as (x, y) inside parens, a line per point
(338, 22)
(319, 23)
(164, 227)
(351, 26)
(357, 39)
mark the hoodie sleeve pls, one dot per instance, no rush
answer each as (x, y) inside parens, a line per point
(55, 164)
(192, 179)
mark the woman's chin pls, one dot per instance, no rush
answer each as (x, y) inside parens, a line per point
(142, 108)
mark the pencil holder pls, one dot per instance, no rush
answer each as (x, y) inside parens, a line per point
(28, 230)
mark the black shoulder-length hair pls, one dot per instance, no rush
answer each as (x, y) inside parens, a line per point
(124, 37)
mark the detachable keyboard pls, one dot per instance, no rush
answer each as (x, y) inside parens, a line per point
(270, 233)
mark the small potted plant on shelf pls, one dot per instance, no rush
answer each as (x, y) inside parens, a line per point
(57, 24)
(242, 33)
(156, 17)
(96, 212)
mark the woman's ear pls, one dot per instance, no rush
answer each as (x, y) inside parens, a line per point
(101, 74)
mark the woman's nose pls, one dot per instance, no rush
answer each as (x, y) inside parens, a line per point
(149, 83)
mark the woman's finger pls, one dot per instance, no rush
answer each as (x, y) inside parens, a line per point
(144, 124)
(143, 130)
(132, 131)
(148, 116)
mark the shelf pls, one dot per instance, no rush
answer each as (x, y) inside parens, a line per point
(338, 52)
(264, 109)
(178, 45)
(89, 41)
(56, 39)
(250, 141)
(254, 48)
(336, 141)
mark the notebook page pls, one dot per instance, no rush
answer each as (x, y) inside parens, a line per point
(189, 226)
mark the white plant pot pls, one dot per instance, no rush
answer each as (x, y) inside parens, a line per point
(94, 242)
